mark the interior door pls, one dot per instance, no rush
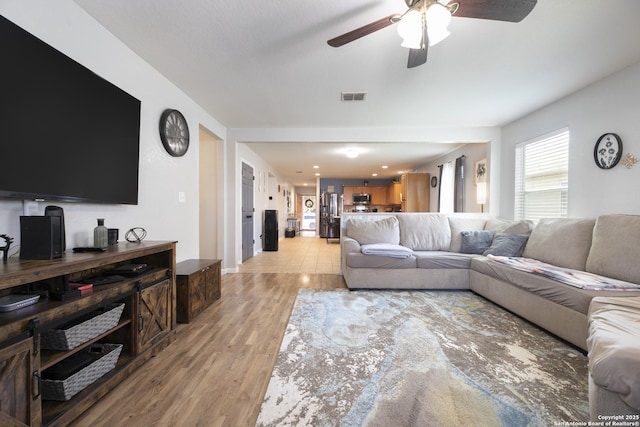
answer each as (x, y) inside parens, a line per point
(247, 212)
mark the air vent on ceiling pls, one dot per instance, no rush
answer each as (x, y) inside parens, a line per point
(353, 96)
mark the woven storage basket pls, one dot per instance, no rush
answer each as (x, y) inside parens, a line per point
(66, 389)
(71, 336)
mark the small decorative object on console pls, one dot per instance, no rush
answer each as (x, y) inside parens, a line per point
(136, 235)
(5, 249)
(100, 235)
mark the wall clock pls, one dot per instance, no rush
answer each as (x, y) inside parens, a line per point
(607, 151)
(308, 203)
(174, 132)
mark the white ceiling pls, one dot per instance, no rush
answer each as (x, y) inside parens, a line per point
(266, 64)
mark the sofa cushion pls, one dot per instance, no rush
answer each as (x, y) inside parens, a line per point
(615, 251)
(506, 244)
(458, 225)
(569, 296)
(368, 232)
(510, 227)
(440, 259)
(476, 242)
(564, 242)
(360, 260)
(614, 348)
(424, 232)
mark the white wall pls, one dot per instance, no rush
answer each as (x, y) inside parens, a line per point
(69, 29)
(610, 105)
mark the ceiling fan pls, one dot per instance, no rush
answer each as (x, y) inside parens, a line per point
(425, 22)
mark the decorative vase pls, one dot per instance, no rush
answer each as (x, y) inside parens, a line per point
(100, 235)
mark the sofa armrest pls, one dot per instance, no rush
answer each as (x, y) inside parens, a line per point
(350, 245)
(347, 245)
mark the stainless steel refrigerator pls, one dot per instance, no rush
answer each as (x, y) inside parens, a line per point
(330, 211)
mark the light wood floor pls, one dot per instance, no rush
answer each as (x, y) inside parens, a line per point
(217, 370)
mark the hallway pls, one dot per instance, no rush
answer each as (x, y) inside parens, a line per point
(304, 253)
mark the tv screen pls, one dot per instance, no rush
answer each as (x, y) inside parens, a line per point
(65, 133)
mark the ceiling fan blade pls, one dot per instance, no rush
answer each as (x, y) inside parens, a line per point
(363, 31)
(498, 10)
(418, 57)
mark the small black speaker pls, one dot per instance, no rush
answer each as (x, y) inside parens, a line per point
(40, 237)
(270, 242)
(270, 219)
(57, 211)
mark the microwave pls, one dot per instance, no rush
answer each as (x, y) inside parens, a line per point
(362, 199)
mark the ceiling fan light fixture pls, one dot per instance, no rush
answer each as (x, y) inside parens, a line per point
(438, 17)
(410, 29)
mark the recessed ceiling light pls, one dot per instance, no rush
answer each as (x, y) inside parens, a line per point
(400, 172)
(316, 167)
(385, 167)
(374, 174)
(305, 184)
(317, 174)
(351, 153)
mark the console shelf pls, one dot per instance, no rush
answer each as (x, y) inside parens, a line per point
(146, 326)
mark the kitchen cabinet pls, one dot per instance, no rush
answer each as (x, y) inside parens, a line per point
(394, 193)
(378, 195)
(415, 192)
(349, 190)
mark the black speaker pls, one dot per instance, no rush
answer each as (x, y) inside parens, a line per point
(270, 234)
(40, 237)
(270, 241)
(57, 211)
(270, 220)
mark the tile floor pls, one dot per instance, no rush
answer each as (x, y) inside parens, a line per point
(304, 253)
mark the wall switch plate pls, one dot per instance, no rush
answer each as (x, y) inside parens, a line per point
(182, 197)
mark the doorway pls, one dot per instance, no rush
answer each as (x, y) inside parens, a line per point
(210, 244)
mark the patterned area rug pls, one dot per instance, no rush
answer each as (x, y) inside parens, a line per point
(419, 358)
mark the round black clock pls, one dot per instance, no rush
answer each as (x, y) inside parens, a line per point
(174, 132)
(607, 151)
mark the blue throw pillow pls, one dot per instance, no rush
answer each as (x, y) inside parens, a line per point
(476, 242)
(505, 244)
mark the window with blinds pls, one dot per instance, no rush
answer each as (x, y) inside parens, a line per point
(542, 167)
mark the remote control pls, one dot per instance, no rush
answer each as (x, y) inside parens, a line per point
(87, 249)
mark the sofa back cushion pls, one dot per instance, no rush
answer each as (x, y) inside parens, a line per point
(615, 251)
(460, 224)
(369, 232)
(509, 227)
(424, 231)
(564, 242)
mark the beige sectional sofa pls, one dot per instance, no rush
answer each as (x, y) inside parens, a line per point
(431, 251)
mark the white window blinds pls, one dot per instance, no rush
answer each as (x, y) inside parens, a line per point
(542, 177)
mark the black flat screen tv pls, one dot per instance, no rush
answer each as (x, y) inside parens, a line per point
(66, 133)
